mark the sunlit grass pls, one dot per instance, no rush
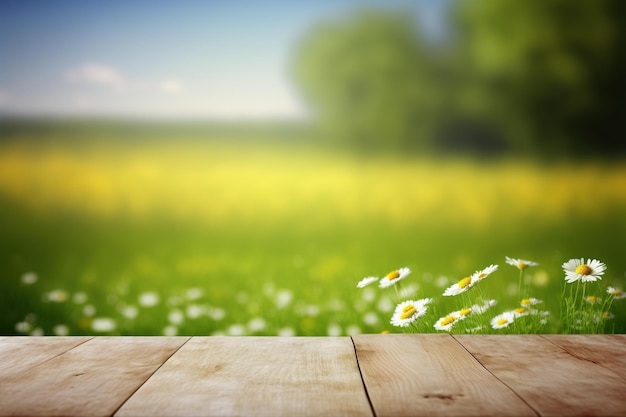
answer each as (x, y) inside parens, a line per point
(190, 237)
(220, 182)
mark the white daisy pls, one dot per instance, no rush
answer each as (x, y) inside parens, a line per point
(80, 297)
(409, 311)
(592, 299)
(530, 302)
(520, 311)
(286, 332)
(366, 281)
(130, 312)
(520, 263)
(170, 330)
(468, 282)
(29, 278)
(176, 317)
(149, 299)
(487, 304)
(257, 324)
(459, 287)
(618, 294)
(334, 330)
(23, 327)
(57, 296)
(445, 323)
(479, 275)
(577, 269)
(89, 310)
(463, 313)
(393, 277)
(502, 320)
(194, 293)
(283, 298)
(103, 324)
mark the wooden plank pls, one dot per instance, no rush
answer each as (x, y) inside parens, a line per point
(430, 375)
(255, 376)
(608, 351)
(547, 377)
(20, 353)
(93, 379)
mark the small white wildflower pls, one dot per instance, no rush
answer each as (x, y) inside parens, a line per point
(236, 330)
(577, 269)
(29, 278)
(286, 332)
(502, 320)
(333, 330)
(409, 311)
(149, 299)
(103, 324)
(257, 324)
(520, 263)
(61, 330)
(393, 277)
(530, 302)
(170, 330)
(617, 294)
(366, 281)
(176, 317)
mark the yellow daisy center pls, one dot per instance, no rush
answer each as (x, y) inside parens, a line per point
(522, 265)
(482, 275)
(591, 298)
(464, 282)
(465, 312)
(407, 312)
(525, 301)
(502, 321)
(520, 310)
(583, 270)
(385, 332)
(448, 320)
(617, 293)
(393, 275)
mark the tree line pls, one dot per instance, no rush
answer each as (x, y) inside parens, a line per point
(533, 76)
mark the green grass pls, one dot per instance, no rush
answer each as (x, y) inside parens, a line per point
(284, 233)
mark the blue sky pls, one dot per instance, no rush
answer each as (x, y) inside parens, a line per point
(192, 59)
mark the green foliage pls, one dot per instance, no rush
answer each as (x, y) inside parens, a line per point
(369, 79)
(548, 73)
(279, 232)
(529, 76)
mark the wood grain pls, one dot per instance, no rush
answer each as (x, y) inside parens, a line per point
(552, 380)
(430, 375)
(608, 351)
(255, 376)
(20, 353)
(92, 379)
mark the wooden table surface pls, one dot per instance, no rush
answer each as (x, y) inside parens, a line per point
(363, 375)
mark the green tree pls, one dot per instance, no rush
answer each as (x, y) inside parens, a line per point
(548, 73)
(535, 76)
(369, 81)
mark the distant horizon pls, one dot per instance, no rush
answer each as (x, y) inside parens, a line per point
(156, 60)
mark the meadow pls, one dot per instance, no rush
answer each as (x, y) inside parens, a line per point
(196, 233)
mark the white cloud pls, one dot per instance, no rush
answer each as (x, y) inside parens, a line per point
(96, 74)
(171, 86)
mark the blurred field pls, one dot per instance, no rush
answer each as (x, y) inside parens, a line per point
(200, 236)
